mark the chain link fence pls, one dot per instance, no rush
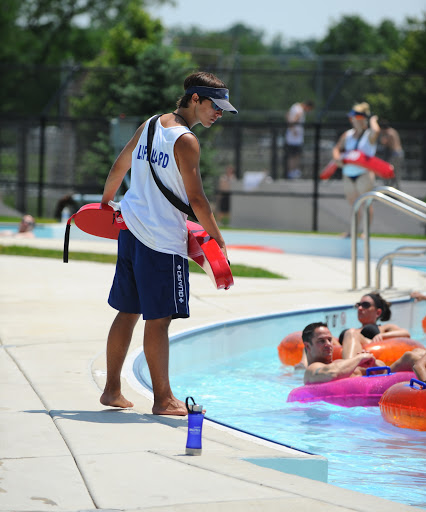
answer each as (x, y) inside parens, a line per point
(48, 156)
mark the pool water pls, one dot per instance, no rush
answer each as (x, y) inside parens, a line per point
(234, 371)
(53, 231)
(364, 452)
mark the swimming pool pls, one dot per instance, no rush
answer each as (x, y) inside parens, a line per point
(233, 369)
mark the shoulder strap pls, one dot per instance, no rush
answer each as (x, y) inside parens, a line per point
(176, 202)
(359, 139)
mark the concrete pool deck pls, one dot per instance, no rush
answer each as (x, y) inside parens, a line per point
(62, 451)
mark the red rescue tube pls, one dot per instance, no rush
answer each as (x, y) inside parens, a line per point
(392, 349)
(355, 157)
(404, 405)
(102, 220)
(206, 252)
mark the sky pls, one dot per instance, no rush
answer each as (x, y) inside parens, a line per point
(293, 20)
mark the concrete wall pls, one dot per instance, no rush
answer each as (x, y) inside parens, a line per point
(277, 205)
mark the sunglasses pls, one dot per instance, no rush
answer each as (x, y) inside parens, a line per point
(215, 107)
(364, 305)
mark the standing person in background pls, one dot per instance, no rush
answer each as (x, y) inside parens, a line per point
(417, 296)
(151, 275)
(362, 136)
(392, 152)
(294, 138)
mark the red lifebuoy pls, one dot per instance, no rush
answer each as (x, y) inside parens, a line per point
(392, 349)
(404, 405)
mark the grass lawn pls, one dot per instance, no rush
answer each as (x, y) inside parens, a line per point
(32, 252)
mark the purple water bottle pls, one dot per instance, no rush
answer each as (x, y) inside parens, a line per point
(195, 426)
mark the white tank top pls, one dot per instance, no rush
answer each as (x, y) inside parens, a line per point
(148, 214)
(295, 135)
(364, 145)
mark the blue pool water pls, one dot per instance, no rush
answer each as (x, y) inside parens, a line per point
(234, 371)
(53, 231)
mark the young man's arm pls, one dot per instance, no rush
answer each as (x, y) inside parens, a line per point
(339, 369)
(187, 154)
(120, 167)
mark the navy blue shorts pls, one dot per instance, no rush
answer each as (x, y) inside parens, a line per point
(149, 282)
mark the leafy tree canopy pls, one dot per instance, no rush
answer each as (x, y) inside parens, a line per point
(353, 35)
(401, 99)
(53, 31)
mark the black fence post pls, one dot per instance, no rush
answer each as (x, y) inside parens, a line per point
(41, 158)
(21, 199)
(274, 155)
(316, 170)
(238, 146)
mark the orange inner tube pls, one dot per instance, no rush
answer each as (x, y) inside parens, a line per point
(404, 405)
(392, 349)
(290, 350)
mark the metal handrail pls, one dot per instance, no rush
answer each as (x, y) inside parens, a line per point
(366, 199)
(402, 196)
(390, 257)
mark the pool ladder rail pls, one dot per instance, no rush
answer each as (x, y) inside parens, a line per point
(398, 200)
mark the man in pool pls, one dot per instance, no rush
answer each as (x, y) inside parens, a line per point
(318, 342)
(151, 276)
(25, 229)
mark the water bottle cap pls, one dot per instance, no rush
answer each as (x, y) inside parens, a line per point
(192, 407)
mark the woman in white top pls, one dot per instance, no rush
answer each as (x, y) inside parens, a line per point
(362, 136)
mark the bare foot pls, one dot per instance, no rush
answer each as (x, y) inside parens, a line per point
(112, 400)
(172, 407)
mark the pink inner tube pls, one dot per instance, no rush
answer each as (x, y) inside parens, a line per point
(350, 392)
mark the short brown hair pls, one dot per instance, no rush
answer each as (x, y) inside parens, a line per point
(202, 78)
(309, 330)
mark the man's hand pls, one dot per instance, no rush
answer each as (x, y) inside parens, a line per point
(366, 360)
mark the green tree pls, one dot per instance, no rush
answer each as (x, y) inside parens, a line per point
(55, 33)
(353, 36)
(213, 46)
(401, 97)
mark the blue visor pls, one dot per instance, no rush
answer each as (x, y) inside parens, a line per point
(220, 96)
(354, 113)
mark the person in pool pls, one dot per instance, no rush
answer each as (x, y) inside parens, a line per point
(371, 308)
(318, 342)
(25, 229)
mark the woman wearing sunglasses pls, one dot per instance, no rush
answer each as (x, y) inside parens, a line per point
(362, 137)
(371, 309)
